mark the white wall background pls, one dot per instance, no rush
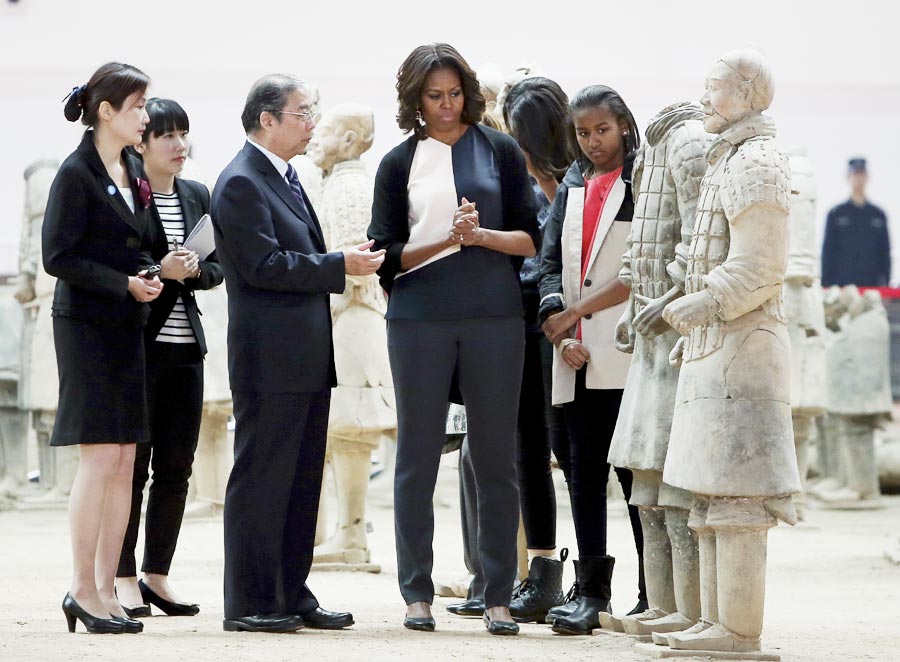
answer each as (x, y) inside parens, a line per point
(837, 67)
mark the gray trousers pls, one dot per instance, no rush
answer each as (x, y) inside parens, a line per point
(487, 355)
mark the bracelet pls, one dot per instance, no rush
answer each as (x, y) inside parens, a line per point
(565, 342)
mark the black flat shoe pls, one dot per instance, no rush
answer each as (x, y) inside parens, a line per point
(422, 624)
(131, 626)
(92, 624)
(138, 611)
(500, 627)
(263, 623)
(322, 619)
(468, 608)
(168, 608)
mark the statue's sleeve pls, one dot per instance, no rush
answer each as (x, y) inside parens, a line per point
(30, 246)
(636, 172)
(755, 195)
(687, 164)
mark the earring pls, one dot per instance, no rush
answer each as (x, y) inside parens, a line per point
(419, 118)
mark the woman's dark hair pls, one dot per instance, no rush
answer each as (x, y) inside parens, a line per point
(536, 111)
(113, 82)
(601, 96)
(165, 115)
(411, 82)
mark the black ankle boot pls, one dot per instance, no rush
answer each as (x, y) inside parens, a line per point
(569, 602)
(541, 590)
(594, 577)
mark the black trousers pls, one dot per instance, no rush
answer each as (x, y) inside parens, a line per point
(541, 427)
(174, 406)
(591, 420)
(272, 500)
(487, 355)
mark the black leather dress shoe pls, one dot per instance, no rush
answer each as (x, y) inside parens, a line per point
(263, 623)
(131, 626)
(500, 627)
(422, 624)
(474, 607)
(151, 597)
(138, 611)
(327, 620)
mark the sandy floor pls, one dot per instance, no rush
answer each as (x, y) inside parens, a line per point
(831, 596)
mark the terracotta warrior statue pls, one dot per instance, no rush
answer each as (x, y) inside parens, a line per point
(859, 396)
(805, 314)
(363, 409)
(38, 381)
(732, 441)
(667, 175)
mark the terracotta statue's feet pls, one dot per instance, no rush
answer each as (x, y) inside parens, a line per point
(630, 623)
(676, 622)
(665, 639)
(716, 638)
(825, 485)
(611, 623)
(349, 556)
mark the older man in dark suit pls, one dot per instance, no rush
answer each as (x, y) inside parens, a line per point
(280, 361)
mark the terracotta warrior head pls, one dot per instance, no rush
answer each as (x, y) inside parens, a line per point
(738, 86)
(344, 133)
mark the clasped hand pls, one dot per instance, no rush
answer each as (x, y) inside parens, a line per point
(144, 289)
(180, 264)
(690, 311)
(360, 261)
(466, 230)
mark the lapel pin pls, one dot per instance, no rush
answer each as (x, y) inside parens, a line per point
(111, 189)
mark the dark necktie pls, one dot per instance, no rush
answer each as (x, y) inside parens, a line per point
(296, 189)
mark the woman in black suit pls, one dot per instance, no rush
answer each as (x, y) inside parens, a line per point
(96, 241)
(175, 346)
(454, 210)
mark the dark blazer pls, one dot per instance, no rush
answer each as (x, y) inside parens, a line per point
(390, 205)
(278, 277)
(194, 199)
(92, 242)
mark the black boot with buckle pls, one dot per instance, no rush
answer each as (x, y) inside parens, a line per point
(540, 591)
(569, 602)
(594, 578)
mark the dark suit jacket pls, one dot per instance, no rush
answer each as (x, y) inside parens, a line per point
(278, 277)
(194, 198)
(92, 242)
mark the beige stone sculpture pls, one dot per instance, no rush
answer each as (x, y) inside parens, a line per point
(39, 382)
(667, 175)
(215, 450)
(859, 398)
(363, 409)
(732, 441)
(805, 314)
(13, 421)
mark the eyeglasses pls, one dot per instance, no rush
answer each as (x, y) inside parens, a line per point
(308, 116)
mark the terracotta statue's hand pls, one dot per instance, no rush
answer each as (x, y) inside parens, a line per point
(624, 338)
(650, 322)
(576, 355)
(690, 311)
(25, 290)
(558, 326)
(675, 354)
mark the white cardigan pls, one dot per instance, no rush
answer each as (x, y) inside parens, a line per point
(608, 366)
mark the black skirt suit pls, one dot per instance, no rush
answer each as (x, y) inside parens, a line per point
(92, 242)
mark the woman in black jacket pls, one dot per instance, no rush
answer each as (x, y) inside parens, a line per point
(96, 239)
(175, 346)
(455, 212)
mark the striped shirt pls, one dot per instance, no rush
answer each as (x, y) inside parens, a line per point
(177, 328)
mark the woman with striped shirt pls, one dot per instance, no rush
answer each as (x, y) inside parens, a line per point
(175, 346)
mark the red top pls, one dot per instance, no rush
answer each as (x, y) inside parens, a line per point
(595, 193)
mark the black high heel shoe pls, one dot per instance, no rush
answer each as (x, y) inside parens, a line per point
(92, 624)
(499, 627)
(131, 626)
(169, 608)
